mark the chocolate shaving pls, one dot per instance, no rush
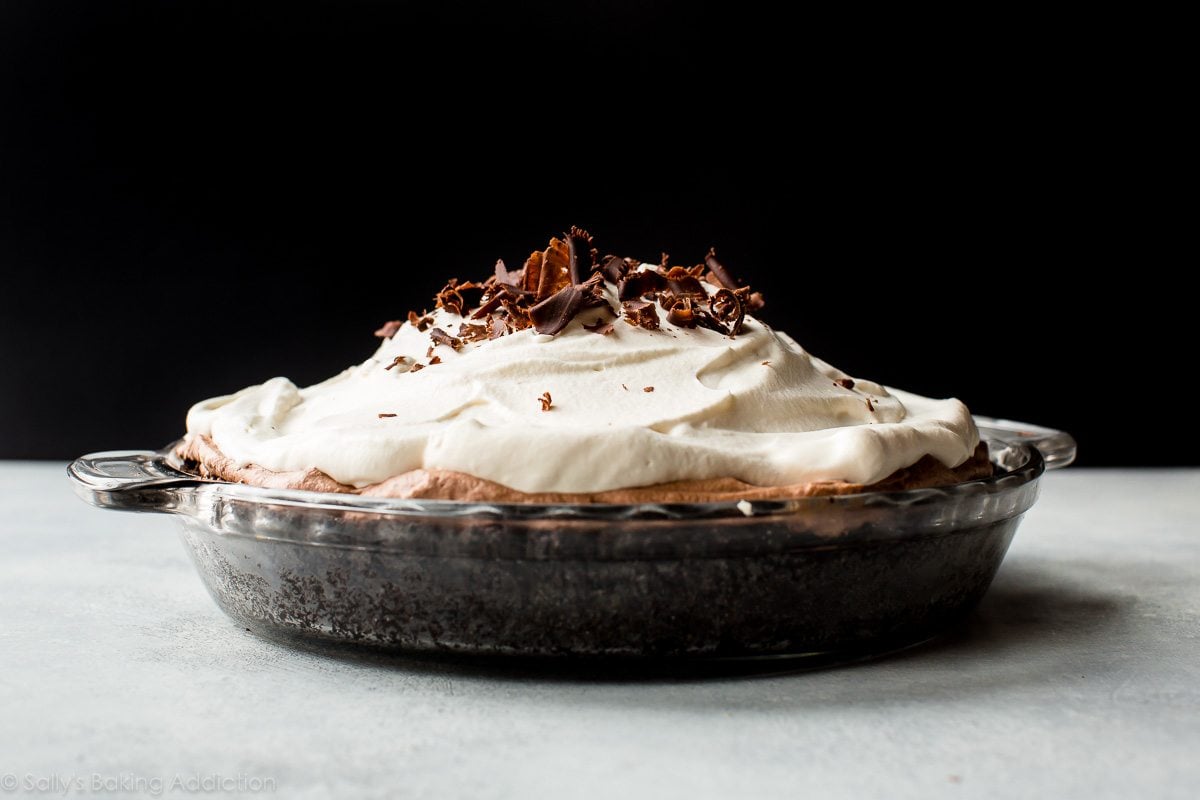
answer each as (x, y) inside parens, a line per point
(518, 315)
(682, 284)
(680, 313)
(845, 383)
(499, 293)
(720, 275)
(506, 278)
(647, 388)
(449, 297)
(552, 314)
(439, 336)
(752, 300)
(532, 272)
(417, 367)
(546, 401)
(640, 284)
(487, 308)
(870, 406)
(554, 270)
(472, 333)
(600, 326)
(641, 314)
(614, 268)
(724, 278)
(593, 289)
(729, 309)
(683, 311)
(384, 416)
(706, 320)
(397, 361)
(435, 360)
(388, 329)
(579, 253)
(550, 290)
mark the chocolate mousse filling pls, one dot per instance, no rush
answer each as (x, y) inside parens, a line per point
(202, 457)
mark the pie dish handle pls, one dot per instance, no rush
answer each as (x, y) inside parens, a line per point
(130, 480)
(1057, 447)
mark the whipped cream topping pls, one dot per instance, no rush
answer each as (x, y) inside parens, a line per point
(633, 407)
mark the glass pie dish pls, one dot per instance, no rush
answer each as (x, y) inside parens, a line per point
(833, 577)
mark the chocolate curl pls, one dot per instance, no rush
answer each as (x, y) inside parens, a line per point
(491, 305)
(439, 336)
(753, 300)
(449, 297)
(639, 284)
(554, 269)
(506, 278)
(728, 308)
(472, 333)
(457, 297)
(552, 314)
(593, 293)
(614, 268)
(680, 313)
(724, 277)
(421, 323)
(532, 272)
(503, 292)
(579, 253)
(518, 315)
(705, 320)
(683, 284)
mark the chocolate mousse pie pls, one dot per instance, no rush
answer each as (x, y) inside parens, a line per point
(581, 378)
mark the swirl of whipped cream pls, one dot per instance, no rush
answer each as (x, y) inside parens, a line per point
(633, 407)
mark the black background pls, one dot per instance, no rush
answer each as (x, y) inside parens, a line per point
(951, 213)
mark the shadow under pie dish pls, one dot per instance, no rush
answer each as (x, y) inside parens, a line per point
(875, 542)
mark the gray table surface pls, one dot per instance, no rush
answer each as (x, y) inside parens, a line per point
(1078, 677)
